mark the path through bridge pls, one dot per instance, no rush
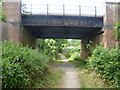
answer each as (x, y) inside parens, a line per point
(70, 79)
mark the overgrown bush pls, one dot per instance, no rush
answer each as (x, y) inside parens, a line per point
(21, 65)
(106, 62)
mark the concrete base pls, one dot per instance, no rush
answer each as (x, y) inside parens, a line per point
(28, 38)
(92, 40)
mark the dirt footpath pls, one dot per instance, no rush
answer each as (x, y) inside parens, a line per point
(70, 78)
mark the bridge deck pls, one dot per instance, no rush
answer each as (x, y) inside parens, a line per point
(60, 20)
(57, 26)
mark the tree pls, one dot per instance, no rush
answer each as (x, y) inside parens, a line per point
(51, 46)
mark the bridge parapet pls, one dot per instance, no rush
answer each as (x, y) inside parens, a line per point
(48, 9)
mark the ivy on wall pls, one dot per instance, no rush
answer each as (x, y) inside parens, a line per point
(117, 31)
(2, 16)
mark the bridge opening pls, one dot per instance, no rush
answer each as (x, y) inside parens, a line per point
(73, 49)
(54, 47)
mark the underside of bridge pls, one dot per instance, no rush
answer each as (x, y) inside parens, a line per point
(62, 27)
(62, 32)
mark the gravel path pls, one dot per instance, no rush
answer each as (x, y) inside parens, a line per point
(70, 78)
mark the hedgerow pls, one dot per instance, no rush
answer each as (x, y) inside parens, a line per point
(21, 65)
(106, 62)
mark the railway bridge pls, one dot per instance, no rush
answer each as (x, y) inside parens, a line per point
(25, 24)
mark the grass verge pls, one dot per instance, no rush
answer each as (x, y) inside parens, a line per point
(89, 79)
(52, 77)
(51, 80)
(59, 60)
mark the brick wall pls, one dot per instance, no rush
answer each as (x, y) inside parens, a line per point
(12, 28)
(111, 17)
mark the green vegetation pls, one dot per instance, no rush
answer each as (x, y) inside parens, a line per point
(72, 50)
(25, 67)
(103, 64)
(117, 32)
(0, 67)
(51, 81)
(106, 64)
(51, 47)
(2, 16)
(60, 61)
(88, 78)
(101, 70)
(22, 65)
(74, 56)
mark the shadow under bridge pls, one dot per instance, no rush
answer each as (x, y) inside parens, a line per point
(62, 27)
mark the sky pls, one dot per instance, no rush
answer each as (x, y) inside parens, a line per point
(67, 1)
(71, 6)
